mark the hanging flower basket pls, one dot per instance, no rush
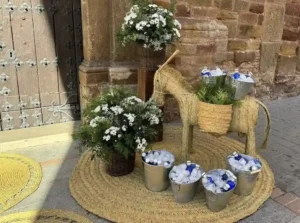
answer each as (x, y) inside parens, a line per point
(214, 118)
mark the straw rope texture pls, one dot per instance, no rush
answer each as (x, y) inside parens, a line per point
(44, 216)
(214, 118)
(20, 176)
(125, 199)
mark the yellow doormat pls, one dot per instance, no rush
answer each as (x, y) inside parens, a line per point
(44, 216)
(20, 176)
(125, 199)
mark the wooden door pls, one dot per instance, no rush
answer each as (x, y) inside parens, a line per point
(40, 51)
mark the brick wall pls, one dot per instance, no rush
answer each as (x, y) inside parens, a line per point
(261, 36)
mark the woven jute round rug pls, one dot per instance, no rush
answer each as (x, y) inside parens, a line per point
(20, 176)
(125, 199)
(44, 216)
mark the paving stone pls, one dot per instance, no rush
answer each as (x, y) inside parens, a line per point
(295, 220)
(297, 191)
(286, 199)
(288, 183)
(271, 212)
(276, 192)
(295, 206)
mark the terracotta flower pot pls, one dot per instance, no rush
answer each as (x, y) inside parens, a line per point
(119, 165)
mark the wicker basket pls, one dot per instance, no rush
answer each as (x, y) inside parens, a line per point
(214, 118)
(119, 165)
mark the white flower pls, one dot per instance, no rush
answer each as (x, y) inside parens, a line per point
(130, 117)
(117, 110)
(106, 138)
(141, 144)
(177, 32)
(132, 100)
(93, 123)
(105, 107)
(112, 130)
(124, 128)
(97, 109)
(99, 119)
(163, 20)
(177, 23)
(154, 121)
(153, 6)
(119, 135)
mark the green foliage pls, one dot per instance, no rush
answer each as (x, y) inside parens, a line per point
(118, 121)
(219, 93)
(141, 2)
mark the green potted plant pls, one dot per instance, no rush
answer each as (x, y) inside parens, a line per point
(115, 126)
(215, 106)
(151, 26)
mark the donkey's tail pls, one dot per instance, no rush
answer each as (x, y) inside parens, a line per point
(268, 128)
(168, 60)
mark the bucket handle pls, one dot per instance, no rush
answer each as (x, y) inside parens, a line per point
(255, 171)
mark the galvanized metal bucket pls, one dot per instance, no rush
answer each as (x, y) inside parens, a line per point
(184, 193)
(217, 201)
(214, 79)
(156, 178)
(245, 180)
(242, 89)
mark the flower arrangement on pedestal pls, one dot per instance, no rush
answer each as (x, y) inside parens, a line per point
(116, 125)
(150, 25)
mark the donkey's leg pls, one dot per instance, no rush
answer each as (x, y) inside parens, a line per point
(187, 140)
(190, 140)
(251, 143)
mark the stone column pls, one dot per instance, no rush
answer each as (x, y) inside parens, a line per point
(123, 65)
(106, 61)
(96, 47)
(272, 35)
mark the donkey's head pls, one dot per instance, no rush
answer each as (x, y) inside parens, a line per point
(159, 90)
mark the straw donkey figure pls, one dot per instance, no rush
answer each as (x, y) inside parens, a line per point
(244, 119)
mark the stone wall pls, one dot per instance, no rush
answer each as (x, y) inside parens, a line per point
(261, 36)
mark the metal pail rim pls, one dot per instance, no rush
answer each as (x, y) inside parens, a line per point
(246, 171)
(235, 182)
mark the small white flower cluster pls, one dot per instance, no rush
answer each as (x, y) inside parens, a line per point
(131, 118)
(124, 128)
(132, 100)
(98, 109)
(112, 131)
(94, 122)
(154, 120)
(153, 117)
(117, 110)
(141, 144)
(153, 29)
(105, 108)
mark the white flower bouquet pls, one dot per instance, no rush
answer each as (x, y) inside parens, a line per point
(118, 122)
(149, 25)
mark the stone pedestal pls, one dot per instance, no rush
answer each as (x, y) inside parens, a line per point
(106, 61)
